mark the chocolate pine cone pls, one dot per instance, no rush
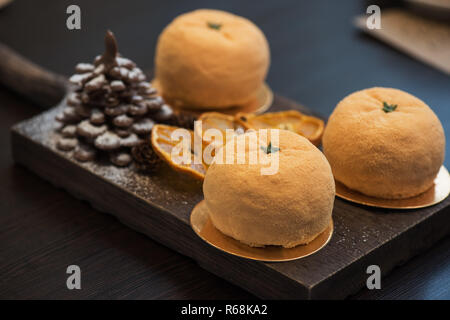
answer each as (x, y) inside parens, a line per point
(145, 158)
(183, 120)
(113, 106)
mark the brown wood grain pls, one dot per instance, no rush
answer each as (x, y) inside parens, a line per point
(314, 60)
(159, 206)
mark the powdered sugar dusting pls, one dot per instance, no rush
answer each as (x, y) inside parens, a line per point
(166, 188)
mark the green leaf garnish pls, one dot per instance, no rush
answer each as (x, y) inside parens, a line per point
(389, 107)
(270, 149)
(215, 26)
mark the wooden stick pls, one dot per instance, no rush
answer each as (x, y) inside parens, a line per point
(41, 86)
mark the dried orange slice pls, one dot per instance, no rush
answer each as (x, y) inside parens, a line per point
(218, 121)
(307, 126)
(180, 156)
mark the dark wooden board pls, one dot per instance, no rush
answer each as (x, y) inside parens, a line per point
(159, 206)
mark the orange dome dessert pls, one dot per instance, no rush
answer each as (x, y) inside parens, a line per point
(384, 143)
(211, 59)
(289, 208)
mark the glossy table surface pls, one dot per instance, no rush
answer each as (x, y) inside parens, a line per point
(318, 57)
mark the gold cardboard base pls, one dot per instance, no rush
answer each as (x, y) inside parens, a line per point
(261, 103)
(434, 195)
(203, 227)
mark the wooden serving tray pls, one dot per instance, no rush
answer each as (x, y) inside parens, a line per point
(159, 206)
